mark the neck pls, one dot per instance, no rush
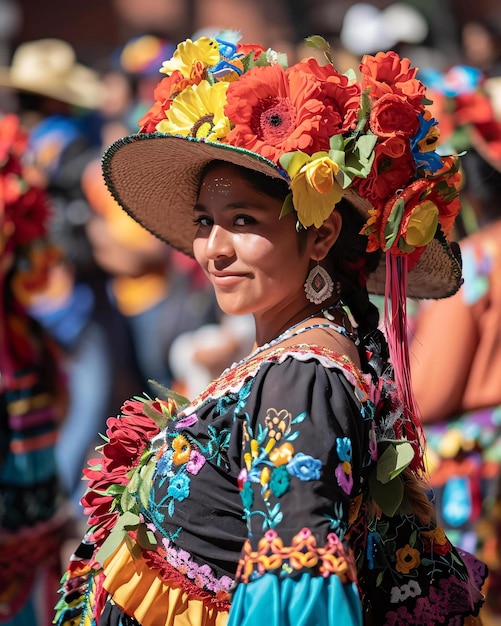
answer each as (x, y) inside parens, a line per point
(268, 328)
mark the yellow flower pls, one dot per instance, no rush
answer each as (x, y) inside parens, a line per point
(437, 535)
(202, 53)
(265, 476)
(315, 190)
(282, 455)
(182, 450)
(198, 111)
(422, 224)
(407, 558)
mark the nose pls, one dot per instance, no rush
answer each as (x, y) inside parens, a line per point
(219, 243)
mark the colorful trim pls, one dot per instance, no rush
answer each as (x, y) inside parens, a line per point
(272, 556)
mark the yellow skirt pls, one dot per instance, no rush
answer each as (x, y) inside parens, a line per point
(137, 590)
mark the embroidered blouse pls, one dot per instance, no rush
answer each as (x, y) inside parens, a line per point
(252, 502)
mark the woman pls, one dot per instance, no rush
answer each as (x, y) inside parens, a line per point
(34, 513)
(291, 490)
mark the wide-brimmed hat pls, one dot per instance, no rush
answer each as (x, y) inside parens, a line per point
(363, 136)
(48, 67)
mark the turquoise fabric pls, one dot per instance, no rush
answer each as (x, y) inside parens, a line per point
(303, 601)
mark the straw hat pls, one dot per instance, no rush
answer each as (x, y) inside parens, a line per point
(48, 67)
(155, 174)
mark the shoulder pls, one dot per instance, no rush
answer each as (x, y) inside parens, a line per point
(327, 337)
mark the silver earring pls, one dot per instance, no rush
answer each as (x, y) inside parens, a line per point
(318, 286)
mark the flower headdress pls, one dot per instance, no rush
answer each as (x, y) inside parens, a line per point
(25, 252)
(365, 136)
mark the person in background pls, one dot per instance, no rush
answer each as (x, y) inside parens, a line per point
(58, 99)
(34, 513)
(291, 490)
(156, 294)
(456, 343)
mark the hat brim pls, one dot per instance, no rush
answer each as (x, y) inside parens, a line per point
(82, 90)
(156, 179)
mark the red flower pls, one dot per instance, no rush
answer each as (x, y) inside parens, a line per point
(387, 73)
(30, 215)
(393, 115)
(128, 438)
(341, 96)
(12, 140)
(275, 111)
(473, 108)
(246, 49)
(392, 169)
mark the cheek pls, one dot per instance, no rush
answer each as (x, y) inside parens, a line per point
(199, 251)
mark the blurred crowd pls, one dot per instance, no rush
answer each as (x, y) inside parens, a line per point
(128, 314)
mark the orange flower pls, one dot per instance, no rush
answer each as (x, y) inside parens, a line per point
(407, 558)
(282, 455)
(393, 115)
(388, 73)
(166, 90)
(343, 102)
(182, 450)
(275, 111)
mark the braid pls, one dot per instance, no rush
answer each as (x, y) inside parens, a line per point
(351, 264)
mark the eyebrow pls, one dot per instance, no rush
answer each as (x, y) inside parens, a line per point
(232, 206)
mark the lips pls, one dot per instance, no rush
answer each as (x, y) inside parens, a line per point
(225, 278)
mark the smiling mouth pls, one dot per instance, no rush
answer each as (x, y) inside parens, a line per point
(224, 278)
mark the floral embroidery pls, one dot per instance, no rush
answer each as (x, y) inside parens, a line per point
(304, 467)
(182, 450)
(272, 556)
(407, 559)
(278, 423)
(280, 481)
(343, 470)
(271, 466)
(409, 590)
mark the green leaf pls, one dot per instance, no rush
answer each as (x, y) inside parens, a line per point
(110, 545)
(318, 42)
(394, 460)
(165, 393)
(287, 206)
(403, 246)
(389, 495)
(248, 61)
(128, 520)
(393, 224)
(365, 145)
(146, 479)
(146, 538)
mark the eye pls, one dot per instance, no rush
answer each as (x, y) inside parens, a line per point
(244, 220)
(203, 220)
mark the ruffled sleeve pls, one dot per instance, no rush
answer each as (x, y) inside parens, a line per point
(306, 431)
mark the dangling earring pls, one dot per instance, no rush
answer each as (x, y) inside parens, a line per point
(318, 286)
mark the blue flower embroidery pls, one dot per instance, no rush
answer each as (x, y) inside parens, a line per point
(343, 449)
(179, 487)
(304, 467)
(164, 465)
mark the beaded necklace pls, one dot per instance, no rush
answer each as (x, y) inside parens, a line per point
(294, 330)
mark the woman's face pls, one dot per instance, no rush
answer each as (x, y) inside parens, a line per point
(253, 259)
